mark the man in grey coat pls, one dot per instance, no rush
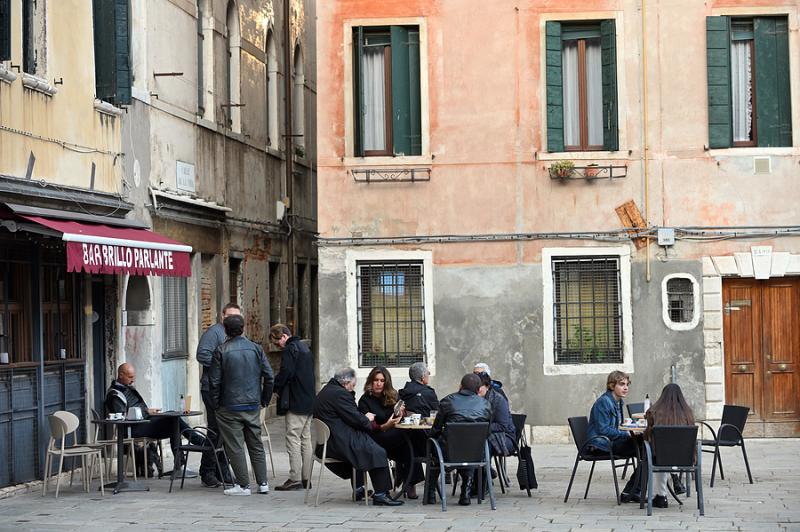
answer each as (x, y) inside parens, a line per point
(240, 384)
(209, 342)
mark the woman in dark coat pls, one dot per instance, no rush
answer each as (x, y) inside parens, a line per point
(380, 398)
(350, 439)
(503, 435)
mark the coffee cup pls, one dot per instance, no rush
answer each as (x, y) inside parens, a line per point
(628, 421)
(408, 420)
(642, 422)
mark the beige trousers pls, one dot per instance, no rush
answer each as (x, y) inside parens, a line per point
(298, 445)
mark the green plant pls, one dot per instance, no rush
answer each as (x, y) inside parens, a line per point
(564, 168)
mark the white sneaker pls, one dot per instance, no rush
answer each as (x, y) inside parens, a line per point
(263, 488)
(237, 490)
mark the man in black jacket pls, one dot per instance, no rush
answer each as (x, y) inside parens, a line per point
(418, 396)
(463, 406)
(240, 383)
(350, 439)
(294, 386)
(209, 342)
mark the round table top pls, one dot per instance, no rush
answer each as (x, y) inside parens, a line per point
(632, 428)
(175, 413)
(411, 426)
(119, 421)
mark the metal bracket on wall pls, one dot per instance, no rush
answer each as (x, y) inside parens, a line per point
(393, 175)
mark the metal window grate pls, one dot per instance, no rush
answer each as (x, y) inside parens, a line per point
(391, 313)
(176, 341)
(680, 297)
(587, 310)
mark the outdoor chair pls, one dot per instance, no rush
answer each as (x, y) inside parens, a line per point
(501, 462)
(320, 433)
(466, 447)
(62, 424)
(209, 436)
(633, 408)
(674, 449)
(265, 437)
(579, 426)
(729, 434)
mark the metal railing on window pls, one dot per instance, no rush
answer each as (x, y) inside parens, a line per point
(587, 310)
(391, 313)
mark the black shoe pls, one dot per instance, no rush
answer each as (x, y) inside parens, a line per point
(494, 474)
(466, 490)
(660, 501)
(290, 485)
(464, 500)
(411, 492)
(382, 499)
(631, 497)
(677, 484)
(360, 493)
(210, 482)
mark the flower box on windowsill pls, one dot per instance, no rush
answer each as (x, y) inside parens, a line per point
(590, 172)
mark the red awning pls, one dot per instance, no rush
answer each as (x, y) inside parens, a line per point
(97, 248)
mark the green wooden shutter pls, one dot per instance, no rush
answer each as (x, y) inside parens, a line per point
(773, 107)
(103, 13)
(554, 87)
(718, 54)
(358, 99)
(122, 53)
(608, 47)
(405, 90)
(5, 30)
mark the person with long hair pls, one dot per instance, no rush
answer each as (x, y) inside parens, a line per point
(670, 409)
(380, 398)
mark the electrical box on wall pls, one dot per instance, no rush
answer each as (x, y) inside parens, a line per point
(666, 236)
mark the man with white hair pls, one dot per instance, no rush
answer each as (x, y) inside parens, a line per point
(482, 367)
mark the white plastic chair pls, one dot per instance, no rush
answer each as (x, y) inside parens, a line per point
(265, 437)
(62, 424)
(320, 433)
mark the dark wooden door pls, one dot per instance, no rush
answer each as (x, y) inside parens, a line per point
(761, 324)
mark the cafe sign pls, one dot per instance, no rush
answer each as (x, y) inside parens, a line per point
(108, 258)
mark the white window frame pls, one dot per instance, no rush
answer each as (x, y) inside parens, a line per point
(352, 258)
(680, 326)
(349, 127)
(549, 365)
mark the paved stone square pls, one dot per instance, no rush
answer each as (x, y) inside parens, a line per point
(772, 503)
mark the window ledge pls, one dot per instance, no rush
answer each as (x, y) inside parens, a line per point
(106, 108)
(750, 152)
(6, 75)
(38, 84)
(388, 162)
(583, 155)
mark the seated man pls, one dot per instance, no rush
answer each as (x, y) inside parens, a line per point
(604, 420)
(122, 395)
(417, 395)
(463, 406)
(350, 440)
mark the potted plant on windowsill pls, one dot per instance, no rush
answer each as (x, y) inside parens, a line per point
(591, 170)
(563, 169)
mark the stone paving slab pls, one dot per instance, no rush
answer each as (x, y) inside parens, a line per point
(733, 504)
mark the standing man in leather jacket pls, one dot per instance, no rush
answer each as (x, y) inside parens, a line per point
(294, 386)
(463, 406)
(209, 342)
(240, 383)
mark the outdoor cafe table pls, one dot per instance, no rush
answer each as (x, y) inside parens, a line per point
(176, 427)
(121, 484)
(412, 458)
(637, 432)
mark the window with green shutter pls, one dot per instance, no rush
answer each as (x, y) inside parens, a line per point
(5, 30)
(386, 81)
(581, 86)
(748, 82)
(112, 51)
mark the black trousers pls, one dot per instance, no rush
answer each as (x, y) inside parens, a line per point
(207, 465)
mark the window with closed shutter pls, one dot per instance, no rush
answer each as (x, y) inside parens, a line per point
(176, 338)
(5, 30)
(112, 51)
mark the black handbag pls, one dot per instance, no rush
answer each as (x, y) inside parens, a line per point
(526, 474)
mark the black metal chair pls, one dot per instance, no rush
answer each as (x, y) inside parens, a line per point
(676, 451)
(633, 408)
(210, 437)
(466, 447)
(500, 461)
(579, 426)
(729, 434)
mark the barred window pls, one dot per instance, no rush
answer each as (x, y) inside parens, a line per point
(391, 313)
(680, 299)
(587, 310)
(176, 341)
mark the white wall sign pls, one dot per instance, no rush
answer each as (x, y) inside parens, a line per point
(185, 176)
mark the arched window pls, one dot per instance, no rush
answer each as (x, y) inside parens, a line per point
(272, 92)
(298, 102)
(233, 93)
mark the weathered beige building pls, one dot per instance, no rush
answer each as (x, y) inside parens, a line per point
(491, 161)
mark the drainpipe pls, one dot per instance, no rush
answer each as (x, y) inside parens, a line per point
(645, 142)
(289, 144)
